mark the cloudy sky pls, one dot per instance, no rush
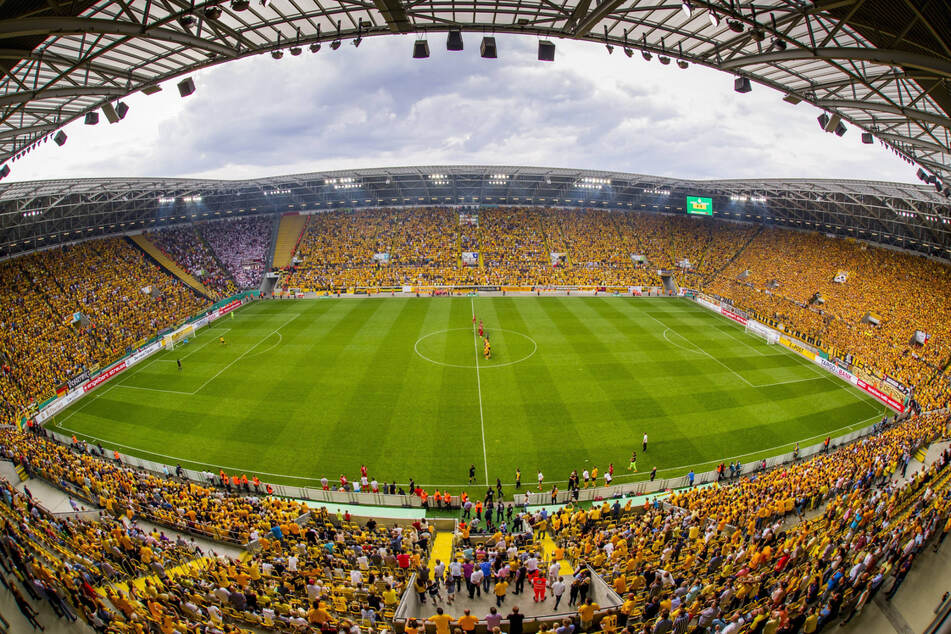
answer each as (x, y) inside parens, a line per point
(375, 106)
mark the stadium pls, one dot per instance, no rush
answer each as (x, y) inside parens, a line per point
(397, 399)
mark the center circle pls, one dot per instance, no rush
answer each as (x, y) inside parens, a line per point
(456, 345)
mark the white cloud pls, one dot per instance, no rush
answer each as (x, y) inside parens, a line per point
(375, 106)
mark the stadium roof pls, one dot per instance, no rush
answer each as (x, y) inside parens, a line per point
(883, 65)
(40, 214)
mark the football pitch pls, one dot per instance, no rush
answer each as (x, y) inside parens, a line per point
(309, 388)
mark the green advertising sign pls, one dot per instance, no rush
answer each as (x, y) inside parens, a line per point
(700, 206)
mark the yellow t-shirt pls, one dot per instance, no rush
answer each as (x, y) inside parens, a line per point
(468, 622)
(442, 622)
(586, 611)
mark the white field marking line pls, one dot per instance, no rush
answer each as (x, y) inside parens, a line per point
(260, 341)
(280, 338)
(294, 477)
(727, 331)
(475, 344)
(699, 349)
(218, 333)
(469, 367)
(154, 389)
(88, 402)
(677, 344)
(820, 373)
(815, 378)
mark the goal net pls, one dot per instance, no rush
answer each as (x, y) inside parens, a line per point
(174, 339)
(759, 330)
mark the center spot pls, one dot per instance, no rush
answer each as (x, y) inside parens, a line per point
(458, 347)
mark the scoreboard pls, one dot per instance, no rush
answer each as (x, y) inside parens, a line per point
(699, 206)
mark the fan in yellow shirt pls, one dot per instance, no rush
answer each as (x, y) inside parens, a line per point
(441, 620)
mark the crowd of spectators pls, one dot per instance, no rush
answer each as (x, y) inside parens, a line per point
(303, 566)
(794, 549)
(788, 550)
(241, 245)
(188, 249)
(782, 275)
(76, 308)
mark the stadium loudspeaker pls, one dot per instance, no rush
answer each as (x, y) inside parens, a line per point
(92, 118)
(111, 115)
(840, 129)
(420, 49)
(4, 171)
(742, 85)
(454, 41)
(823, 120)
(922, 175)
(832, 123)
(546, 51)
(867, 138)
(186, 86)
(489, 49)
(793, 99)
(60, 138)
(121, 109)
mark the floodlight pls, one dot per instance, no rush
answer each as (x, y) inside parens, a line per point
(420, 49)
(546, 51)
(489, 50)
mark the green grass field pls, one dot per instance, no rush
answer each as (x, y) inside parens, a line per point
(311, 388)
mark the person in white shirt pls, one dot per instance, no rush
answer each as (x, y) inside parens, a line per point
(313, 590)
(363, 562)
(531, 564)
(476, 580)
(292, 563)
(553, 571)
(455, 569)
(558, 589)
(356, 577)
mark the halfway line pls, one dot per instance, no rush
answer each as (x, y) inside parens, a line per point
(475, 344)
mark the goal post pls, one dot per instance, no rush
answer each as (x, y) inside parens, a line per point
(173, 339)
(759, 330)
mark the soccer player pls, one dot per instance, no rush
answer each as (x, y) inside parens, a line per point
(633, 465)
(471, 474)
(518, 478)
(644, 442)
(481, 331)
(221, 340)
(541, 479)
(179, 362)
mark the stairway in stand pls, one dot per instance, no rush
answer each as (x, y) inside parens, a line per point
(149, 247)
(289, 234)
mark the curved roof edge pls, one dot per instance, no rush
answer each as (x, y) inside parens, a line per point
(39, 214)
